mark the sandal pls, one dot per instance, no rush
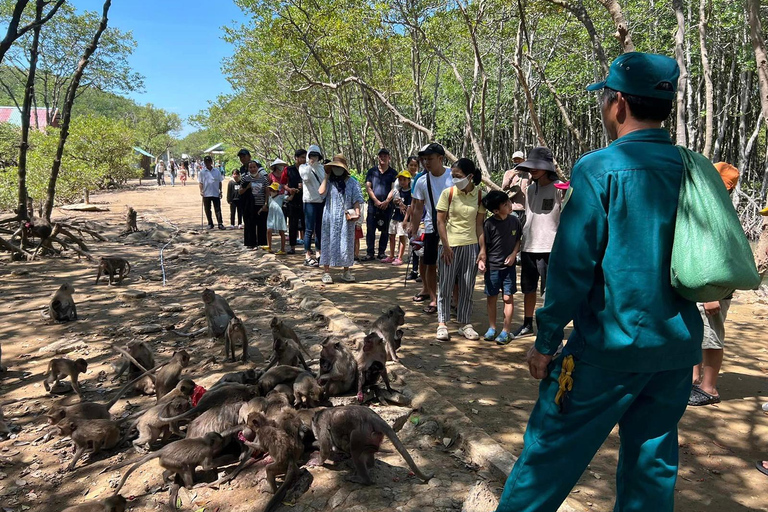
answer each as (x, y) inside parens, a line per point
(420, 297)
(701, 397)
(430, 309)
(442, 333)
(469, 332)
(760, 467)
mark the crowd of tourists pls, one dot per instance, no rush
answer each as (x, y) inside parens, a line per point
(603, 263)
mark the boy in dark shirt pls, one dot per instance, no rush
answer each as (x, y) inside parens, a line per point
(502, 243)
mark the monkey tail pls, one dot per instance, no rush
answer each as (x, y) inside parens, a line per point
(134, 361)
(290, 476)
(390, 433)
(125, 388)
(190, 334)
(43, 314)
(136, 466)
(181, 416)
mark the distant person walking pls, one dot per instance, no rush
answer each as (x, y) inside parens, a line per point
(235, 201)
(172, 170)
(184, 172)
(160, 172)
(210, 188)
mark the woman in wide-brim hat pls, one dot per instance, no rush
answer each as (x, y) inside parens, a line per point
(342, 209)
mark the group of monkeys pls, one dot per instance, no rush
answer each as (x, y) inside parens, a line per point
(280, 411)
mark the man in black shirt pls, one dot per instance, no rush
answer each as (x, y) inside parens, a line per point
(378, 183)
(291, 180)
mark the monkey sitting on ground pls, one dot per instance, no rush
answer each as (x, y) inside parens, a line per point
(137, 359)
(371, 364)
(114, 503)
(168, 377)
(150, 427)
(281, 330)
(61, 307)
(59, 368)
(235, 335)
(182, 457)
(357, 431)
(130, 220)
(278, 375)
(111, 266)
(217, 313)
(90, 435)
(285, 351)
(306, 391)
(386, 326)
(338, 368)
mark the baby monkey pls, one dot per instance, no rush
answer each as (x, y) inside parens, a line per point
(60, 368)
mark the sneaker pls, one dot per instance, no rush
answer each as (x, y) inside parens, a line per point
(239, 226)
(210, 226)
(347, 277)
(388, 259)
(413, 276)
(397, 262)
(490, 334)
(221, 226)
(291, 251)
(469, 332)
(300, 242)
(504, 338)
(326, 279)
(381, 257)
(232, 226)
(525, 330)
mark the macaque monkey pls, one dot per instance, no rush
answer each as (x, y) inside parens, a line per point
(130, 220)
(277, 375)
(182, 457)
(285, 390)
(137, 358)
(219, 397)
(258, 404)
(4, 430)
(168, 377)
(60, 368)
(217, 313)
(338, 368)
(357, 431)
(114, 503)
(306, 391)
(235, 335)
(3, 369)
(386, 326)
(280, 329)
(150, 427)
(371, 363)
(61, 307)
(39, 228)
(90, 435)
(245, 377)
(111, 266)
(285, 351)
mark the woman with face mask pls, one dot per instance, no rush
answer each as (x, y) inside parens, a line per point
(342, 209)
(312, 176)
(460, 216)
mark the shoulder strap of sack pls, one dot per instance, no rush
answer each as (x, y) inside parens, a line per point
(450, 199)
(432, 202)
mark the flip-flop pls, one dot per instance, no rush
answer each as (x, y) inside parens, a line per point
(760, 468)
(430, 309)
(420, 297)
(700, 397)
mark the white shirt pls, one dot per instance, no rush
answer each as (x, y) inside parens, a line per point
(312, 177)
(542, 217)
(210, 181)
(438, 185)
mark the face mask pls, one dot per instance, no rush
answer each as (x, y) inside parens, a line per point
(461, 183)
(337, 172)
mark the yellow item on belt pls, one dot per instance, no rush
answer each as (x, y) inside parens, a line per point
(565, 380)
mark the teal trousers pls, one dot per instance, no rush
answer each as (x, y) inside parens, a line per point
(560, 444)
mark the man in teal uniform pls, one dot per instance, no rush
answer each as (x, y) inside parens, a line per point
(628, 360)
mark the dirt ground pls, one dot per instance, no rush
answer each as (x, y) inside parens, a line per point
(490, 384)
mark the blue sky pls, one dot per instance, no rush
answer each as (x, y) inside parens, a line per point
(179, 51)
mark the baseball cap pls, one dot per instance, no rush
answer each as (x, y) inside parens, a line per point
(243, 152)
(383, 151)
(432, 149)
(518, 154)
(404, 174)
(539, 158)
(642, 74)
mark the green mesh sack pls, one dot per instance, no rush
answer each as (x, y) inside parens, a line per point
(711, 256)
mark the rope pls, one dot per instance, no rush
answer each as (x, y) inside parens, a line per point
(162, 249)
(565, 381)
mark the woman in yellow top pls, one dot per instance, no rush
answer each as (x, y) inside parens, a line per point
(460, 216)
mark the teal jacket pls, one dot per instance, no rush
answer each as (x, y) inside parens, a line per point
(609, 267)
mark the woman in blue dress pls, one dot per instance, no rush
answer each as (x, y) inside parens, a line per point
(342, 209)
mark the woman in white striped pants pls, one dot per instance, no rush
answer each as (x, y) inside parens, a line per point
(460, 217)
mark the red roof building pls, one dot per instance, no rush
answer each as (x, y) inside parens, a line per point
(13, 115)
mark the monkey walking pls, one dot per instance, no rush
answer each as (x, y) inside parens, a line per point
(114, 503)
(89, 435)
(387, 326)
(61, 307)
(111, 266)
(233, 336)
(60, 368)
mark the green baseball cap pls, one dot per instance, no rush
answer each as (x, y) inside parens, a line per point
(642, 74)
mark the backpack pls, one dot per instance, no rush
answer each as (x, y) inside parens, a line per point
(711, 256)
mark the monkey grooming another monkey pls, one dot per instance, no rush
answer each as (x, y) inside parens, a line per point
(386, 326)
(111, 266)
(235, 335)
(358, 432)
(281, 330)
(286, 352)
(306, 391)
(215, 398)
(182, 457)
(278, 375)
(61, 307)
(60, 368)
(130, 220)
(371, 364)
(137, 359)
(90, 435)
(114, 503)
(168, 377)
(338, 368)
(217, 313)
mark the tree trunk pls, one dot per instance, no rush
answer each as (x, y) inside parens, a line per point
(622, 27)
(718, 151)
(680, 127)
(67, 109)
(13, 32)
(707, 72)
(761, 57)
